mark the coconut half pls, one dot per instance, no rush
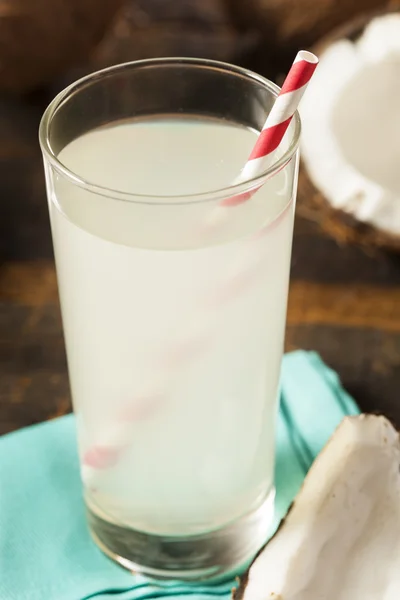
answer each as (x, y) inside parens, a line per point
(351, 125)
(341, 538)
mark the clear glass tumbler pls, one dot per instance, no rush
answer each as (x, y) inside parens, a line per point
(173, 297)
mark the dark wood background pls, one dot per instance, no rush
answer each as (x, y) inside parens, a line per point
(344, 302)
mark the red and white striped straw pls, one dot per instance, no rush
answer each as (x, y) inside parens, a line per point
(277, 122)
(106, 454)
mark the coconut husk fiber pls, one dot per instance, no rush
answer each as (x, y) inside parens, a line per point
(343, 227)
(41, 38)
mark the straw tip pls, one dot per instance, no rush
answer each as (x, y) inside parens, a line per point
(307, 56)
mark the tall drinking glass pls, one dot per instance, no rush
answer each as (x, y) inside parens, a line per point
(173, 301)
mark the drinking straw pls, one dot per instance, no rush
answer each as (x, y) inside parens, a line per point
(277, 122)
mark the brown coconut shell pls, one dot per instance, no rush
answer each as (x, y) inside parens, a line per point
(312, 205)
(158, 28)
(339, 225)
(41, 38)
(155, 28)
(288, 25)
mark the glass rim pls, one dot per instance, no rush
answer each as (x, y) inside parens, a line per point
(112, 193)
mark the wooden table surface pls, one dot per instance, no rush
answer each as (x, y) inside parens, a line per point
(343, 303)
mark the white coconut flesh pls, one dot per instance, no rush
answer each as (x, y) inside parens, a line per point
(341, 538)
(351, 125)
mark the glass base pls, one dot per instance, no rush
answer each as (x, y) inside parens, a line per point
(189, 558)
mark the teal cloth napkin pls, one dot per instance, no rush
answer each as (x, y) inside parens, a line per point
(45, 549)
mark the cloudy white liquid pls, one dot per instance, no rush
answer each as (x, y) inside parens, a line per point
(157, 305)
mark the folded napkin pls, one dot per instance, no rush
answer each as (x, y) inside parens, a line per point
(45, 549)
